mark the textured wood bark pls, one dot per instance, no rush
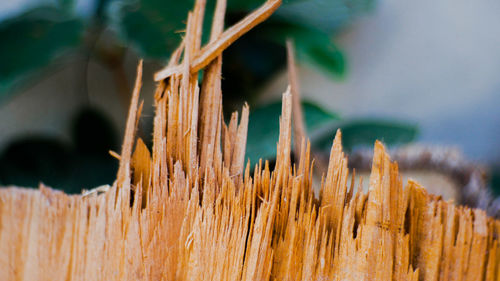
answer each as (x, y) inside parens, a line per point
(191, 210)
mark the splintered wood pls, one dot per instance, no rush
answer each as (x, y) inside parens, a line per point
(192, 210)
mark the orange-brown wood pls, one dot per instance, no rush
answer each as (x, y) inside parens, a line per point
(191, 210)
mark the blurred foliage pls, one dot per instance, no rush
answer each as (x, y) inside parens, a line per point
(325, 16)
(263, 128)
(40, 35)
(33, 40)
(154, 26)
(321, 125)
(359, 133)
(43, 36)
(48, 34)
(312, 46)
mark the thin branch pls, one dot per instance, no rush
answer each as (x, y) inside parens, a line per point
(215, 48)
(299, 129)
(123, 176)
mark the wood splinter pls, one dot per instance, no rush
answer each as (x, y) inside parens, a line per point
(188, 208)
(215, 48)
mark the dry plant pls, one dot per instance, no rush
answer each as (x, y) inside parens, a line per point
(192, 210)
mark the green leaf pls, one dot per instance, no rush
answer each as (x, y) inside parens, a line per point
(316, 118)
(312, 46)
(327, 16)
(366, 132)
(263, 128)
(155, 27)
(33, 40)
(319, 50)
(311, 23)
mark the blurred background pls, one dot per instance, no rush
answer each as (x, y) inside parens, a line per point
(421, 72)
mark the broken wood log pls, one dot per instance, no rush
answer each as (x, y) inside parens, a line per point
(192, 210)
